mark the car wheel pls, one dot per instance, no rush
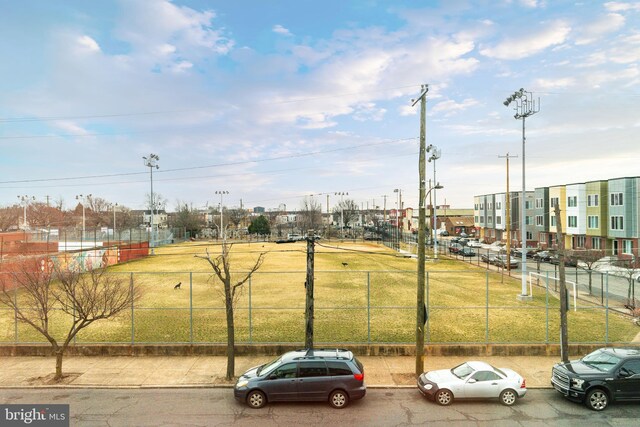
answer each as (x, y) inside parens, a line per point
(444, 397)
(339, 399)
(597, 399)
(508, 397)
(256, 399)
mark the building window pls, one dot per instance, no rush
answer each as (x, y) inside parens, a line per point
(554, 201)
(529, 235)
(539, 220)
(616, 199)
(592, 221)
(573, 221)
(527, 204)
(475, 218)
(498, 220)
(528, 220)
(539, 204)
(596, 243)
(553, 221)
(490, 206)
(627, 247)
(475, 206)
(481, 205)
(490, 220)
(592, 200)
(617, 223)
(572, 201)
(581, 241)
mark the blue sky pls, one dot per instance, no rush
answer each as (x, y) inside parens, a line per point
(277, 101)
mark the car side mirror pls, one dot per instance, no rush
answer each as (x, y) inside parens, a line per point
(472, 381)
(273, 377)
(624, 373)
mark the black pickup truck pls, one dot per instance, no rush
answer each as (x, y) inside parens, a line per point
(604, 376)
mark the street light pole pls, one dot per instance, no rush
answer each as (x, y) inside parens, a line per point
(150, 162)
(82, 199)
(525, 106)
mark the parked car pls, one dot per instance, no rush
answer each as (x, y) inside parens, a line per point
(568, 261)
(603, 376)
(463, 235)
(463, 241)
(454, 239)
(467, 251)
(330, 375)
(489, 258)
(444, 233)
(472, 380)
(501, 261)
(542, 256)
(454, 248)
(474, 244)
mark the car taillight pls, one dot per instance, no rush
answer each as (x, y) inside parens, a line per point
(359, 377)
(524, 383)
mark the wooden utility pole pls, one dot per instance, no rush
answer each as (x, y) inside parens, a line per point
(508, 216)
(422, 170)
(564, 339)
(308, 338)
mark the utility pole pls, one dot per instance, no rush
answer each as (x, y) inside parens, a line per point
(421, 310)
(384, 212)
(308, 284)
(564, 300)
(508, 215)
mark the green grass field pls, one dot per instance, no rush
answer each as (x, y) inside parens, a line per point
(372, 277)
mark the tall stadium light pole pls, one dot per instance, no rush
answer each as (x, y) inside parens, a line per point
(151, 162)
(525, 106)
(222, 233)
(24, 201)
(114, 205)
(435, 155)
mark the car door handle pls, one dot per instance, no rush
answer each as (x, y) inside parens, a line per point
(494, 383)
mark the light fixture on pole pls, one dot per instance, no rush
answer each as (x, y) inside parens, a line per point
(83, 200)
(24, 201)
(151, 162)
(222, 233)
(435, 155)
(341, 194)
(525, 106)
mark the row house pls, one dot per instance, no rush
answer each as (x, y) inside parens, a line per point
(602, 214)
(490, 217)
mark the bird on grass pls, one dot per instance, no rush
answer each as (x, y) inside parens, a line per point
(177, 286)
(344, 264)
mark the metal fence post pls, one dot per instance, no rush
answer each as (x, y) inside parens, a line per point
(486, 330)
(132, 322)
(368, 307)
(606, 332)
(428, 312)
(191, 307)
(250, 325)
(547, 307)
(15, 312)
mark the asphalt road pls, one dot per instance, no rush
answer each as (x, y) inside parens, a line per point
(381, 407)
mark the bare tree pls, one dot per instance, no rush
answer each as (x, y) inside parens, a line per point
(310, 214)
(41, 215)
(236, 216)
(586, 259)
(631, 268)
(347, 210)
(40, 287)
(10, 216)
(222, 268)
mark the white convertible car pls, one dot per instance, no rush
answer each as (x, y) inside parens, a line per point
(472, 380)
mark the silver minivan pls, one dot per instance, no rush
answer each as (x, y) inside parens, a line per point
(330, 375)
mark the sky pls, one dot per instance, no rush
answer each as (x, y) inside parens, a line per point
(278, 101)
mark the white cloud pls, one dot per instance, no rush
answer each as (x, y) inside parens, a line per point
(279, 29)
(616, 6)
(594, 31)
(88, 44)
(518, 46)
(450, 107)
(559, 83)
(407, 110)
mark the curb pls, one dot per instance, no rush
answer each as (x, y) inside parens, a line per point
(192, 386)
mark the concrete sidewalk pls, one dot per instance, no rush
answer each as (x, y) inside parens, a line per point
(209, 371)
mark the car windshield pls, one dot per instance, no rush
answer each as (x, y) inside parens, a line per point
(462, 371)
(267, 367)
(601, 360)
